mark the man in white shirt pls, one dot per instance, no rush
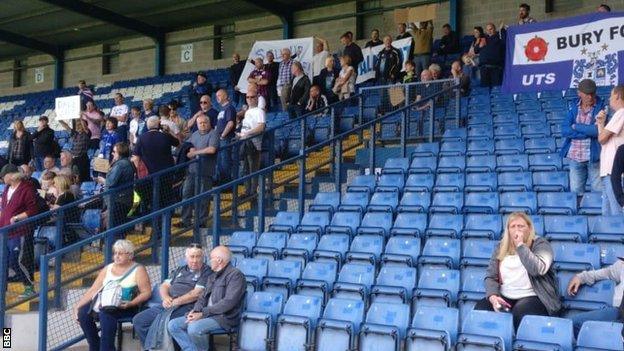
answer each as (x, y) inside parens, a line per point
(253, 124)
(318, 60)
(610, 136)
(120, 112)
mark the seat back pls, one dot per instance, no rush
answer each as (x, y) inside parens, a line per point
(402, 245)
(415, 222)
(548, 330)
(441, 280)
(356, 273)
(437, 318)
(413, 201)
(404, 277)
(584, 256)
(600, 335)
(377, 220)
(276, 240)
(446, 248)
(253, 267)
(345, 222)
(367, 243)
(304, 306)
(285, 220)
(321, 271)
(243, 239)
(491, 324)
(266, 302)
(290, 270)
(390, 314)
(480, 225)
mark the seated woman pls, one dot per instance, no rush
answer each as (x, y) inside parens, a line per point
(136, 289)
(520, 278)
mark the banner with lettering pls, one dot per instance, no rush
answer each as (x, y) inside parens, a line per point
(366, 69)
(558, 54)
(302, 49)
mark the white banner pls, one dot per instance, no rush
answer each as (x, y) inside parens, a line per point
(366, 69)
(303, 48)
(67, 107)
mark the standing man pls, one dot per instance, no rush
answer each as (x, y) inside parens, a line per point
(200, 87)
(374, 39)
(402, 34)
(352, 50)
(252, 124)
(300, 90)
(273, 68)
(610, 137)
(449, 43)
(318, 60)
(284, 79)
(218, 307)
(492, 56)
(423, 37)
(44, 143)
(388, 64)
(205, 109)
(581, 145)
(260, 77)
(523, 15)
(227, 158)
(236, 70)
(120, 113)
(205, 141)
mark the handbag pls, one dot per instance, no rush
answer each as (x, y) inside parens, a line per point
(109, 297)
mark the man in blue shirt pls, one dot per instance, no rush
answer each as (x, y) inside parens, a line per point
(226, 125)
(206, 109)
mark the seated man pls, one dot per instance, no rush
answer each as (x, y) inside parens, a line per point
(178, 294)
(219, 307)
(613, 272)
(49, 165)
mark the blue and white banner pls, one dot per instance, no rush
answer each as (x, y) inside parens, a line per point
(558, 54)
(303, 48)
(366, 69)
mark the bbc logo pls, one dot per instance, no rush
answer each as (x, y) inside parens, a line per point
(6, 338)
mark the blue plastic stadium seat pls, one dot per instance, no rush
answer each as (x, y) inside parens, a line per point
(486, 182)
(609, 253)
(354, 201)
(420, 182)
(534, 131)
(317, 279)
(545, 162)
(556, 203)
(424, 164)
(426, 149)
(340, 325)
(481, 202)
(445, 225)
(415, 202)
(437, 287)
(588, 298)
(366, 248)
(453, 148)
(575, 257)
(449, 182)
(270, 245)
(315, 222)
(596, 335)
(509, 130)
(551, 181)
(477, 252)
(413, 224)
(515, 181)
(480, 163)
(401, 250)
(447, 203)
(486, 330)
(394, 284)
(285, 222)
(257, 324)
(480, 133)
(433, 328)
(91, 219)
(396, 165)
(440, 253)
(483, 226)
(282, 277)
(512, 163)
(540, 146)
(365, 183)
(254, 269)
(566, 228)
(606, 229)
(518, 201)
(480, 147)
(542, 332)
(325, 201)
(332, 248)
(390, 182)
(300, 247)
(509, 146)
(298, 322)
(591, 204)
(354, 281)
(241, 243)
(385, 327)
(451, 164)
(471, 289)
(344, 222)
(384, 201)
(376, 223)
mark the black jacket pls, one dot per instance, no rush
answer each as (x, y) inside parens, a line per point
(449, 44)
(355, 53)
(235, 72)
(44, 143)
(493, 53)
(388, 65)
(227, 289)
(300, 91)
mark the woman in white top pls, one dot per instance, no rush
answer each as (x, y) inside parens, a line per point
(253, 124)
(345, 84)
(520, 278)
(136, 289)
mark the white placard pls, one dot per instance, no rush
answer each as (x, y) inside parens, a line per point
(67, 107)
(186, 53)
(39, 75)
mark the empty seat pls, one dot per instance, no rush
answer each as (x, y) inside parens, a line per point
(566, 228)
(390, 182)
(483, 226)
(509, 146)
(437, 287)
(481, 182)
(544, 333)
(325, 201)
(433, 328)
(606, 228)
(282, 277)
(340, 325)
(419, 182)
(398, 165)
(394, 284)
(270, 245)
(453, 148)
(440, 253)
(472, 289)
(285, 222)
(317, 279)
(300, 247)
(365, 248)
(575, 256)
(402, 250)
(486, 329)
(534, 131)
(413, 201)
(453, 182)
(409, 224)
(451, 164)
(480, 163)
(551, 181)
(477, 252)
(365, 183)
(545, 162)
(512, 163)
(445, 225)
(426, 164)
(481, 202)
(540, 145)
(591, 204)
(254, 269)
(257, 323)
(344, 222)
(241, 243)
(384, 201)
(315, 222)
(518, 201)
(447, 202)
(354, 201)
(556, 203)
(376, 223)
(385, 326)
(506, 131)
(596, 335)
(332, 247)
(515, 181)
(480, 147)
(354, 281)
(455, 134)
(426, 149)
(297, 324)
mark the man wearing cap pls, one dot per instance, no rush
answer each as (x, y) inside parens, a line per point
(614, 272)
(200, 87)
(581, 145)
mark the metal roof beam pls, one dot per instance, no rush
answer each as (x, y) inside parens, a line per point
(31, 43)
(105, 15)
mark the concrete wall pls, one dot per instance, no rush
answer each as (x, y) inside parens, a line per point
(86, 62)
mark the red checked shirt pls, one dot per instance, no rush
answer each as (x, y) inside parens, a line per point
(579, 148)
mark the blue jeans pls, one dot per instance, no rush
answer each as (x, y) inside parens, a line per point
(607, 314)
(108, 326)
(580, 172)
(421, 63)
(192, 336)
(143, 320)
(610, 205)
